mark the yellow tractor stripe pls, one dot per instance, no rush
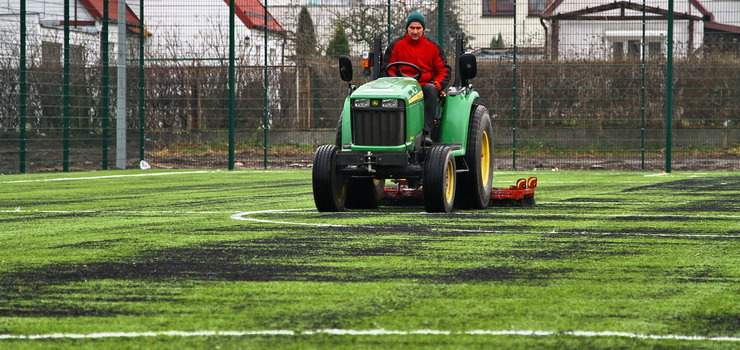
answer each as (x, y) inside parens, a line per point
(416, 97)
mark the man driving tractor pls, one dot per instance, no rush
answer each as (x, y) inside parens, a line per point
(413, 47)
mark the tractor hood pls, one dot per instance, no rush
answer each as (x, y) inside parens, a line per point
(391, 87)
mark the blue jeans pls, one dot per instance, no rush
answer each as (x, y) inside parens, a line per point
(431, 96)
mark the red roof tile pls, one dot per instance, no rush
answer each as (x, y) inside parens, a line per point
(252, 14)
(95, 8)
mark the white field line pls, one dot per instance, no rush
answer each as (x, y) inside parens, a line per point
(494, 214)
(241, 216)
(584, 233)
(107, 177)
(622, 215)
(620, 203)
(19, 210)
(369, 332)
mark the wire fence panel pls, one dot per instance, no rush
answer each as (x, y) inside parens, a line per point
(571, 84)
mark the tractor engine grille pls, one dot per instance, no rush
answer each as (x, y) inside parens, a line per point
(378, 127)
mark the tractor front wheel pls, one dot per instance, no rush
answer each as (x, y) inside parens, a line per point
(329, 188)
(439, 179)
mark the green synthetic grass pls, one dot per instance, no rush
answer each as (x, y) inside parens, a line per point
(112, 251)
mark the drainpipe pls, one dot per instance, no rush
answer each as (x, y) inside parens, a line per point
(544, 26)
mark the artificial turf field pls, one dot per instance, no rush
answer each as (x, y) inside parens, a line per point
(241, 259)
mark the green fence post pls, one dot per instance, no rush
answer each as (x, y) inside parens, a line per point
(388, 34)
(142, 76)
(441, 23)
(514, 101)
(23, 98)
(642, 93)
(669, 92)
(265, 113)
(65, 91)
(105, 82)
(232, 83)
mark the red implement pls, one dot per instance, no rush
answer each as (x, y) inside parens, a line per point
(521, 194)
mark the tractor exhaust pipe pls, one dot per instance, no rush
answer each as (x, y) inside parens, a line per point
(459, 44)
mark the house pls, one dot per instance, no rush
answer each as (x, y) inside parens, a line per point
(45, 30)
(324, 15)
(199, 30)
(487, 19)
(722, 33)
(605, 29)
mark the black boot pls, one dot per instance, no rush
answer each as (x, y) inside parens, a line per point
(426, 140)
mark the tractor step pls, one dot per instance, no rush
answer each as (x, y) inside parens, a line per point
(518, 195)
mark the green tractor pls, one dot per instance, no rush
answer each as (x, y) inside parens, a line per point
(379, 137)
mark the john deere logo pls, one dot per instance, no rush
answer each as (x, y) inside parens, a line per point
(376, 103)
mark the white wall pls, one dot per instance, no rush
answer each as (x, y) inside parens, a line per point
(725, 11)
(593, 39)
(200, 29)
(44, 27)
(529, 31)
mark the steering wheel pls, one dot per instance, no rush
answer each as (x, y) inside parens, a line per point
(403, 64)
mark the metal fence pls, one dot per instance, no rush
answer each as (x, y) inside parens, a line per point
(596, 84)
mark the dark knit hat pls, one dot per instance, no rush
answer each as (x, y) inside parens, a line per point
(416, 16)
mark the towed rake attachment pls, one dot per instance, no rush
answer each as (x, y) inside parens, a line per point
(519, 195)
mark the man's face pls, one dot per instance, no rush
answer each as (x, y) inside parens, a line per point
(415, 30)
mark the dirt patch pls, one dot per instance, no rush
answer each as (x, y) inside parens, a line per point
(500, 273)
(95, 244)
(694, 185)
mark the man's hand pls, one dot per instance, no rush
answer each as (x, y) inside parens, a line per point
(436, 84)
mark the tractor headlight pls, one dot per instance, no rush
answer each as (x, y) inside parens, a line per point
(362, 102)
(390, 102)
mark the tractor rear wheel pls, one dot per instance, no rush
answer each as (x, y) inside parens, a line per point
(329, 188)
(439, 179)
(475, 185)
(364, 193)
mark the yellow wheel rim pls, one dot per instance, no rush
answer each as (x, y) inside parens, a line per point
(485, 159)
(449, 181)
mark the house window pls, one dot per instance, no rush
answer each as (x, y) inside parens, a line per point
(633, 49)
(498, 7)
(77, 55)
(133, 50)
(51, 53)
(537, 7)
(111, 53)
(618, 50)
(655, 49)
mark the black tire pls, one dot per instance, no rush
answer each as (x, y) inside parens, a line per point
(329, 188)
(475, 185)
(364, 193)
(439, 180)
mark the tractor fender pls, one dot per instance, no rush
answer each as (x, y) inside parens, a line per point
(346, 117)
(455, 120)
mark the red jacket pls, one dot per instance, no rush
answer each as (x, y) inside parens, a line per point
(424, 53)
